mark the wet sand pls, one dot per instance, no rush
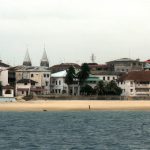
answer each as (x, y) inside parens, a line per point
(74, 105)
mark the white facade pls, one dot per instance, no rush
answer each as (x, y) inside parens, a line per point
(133, 88)
(58, 85)
(4, 76)
(107, 78)
(8, 93)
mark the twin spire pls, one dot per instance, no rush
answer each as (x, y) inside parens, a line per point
(44, 61)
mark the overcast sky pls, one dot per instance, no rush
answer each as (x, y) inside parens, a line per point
(74, 29)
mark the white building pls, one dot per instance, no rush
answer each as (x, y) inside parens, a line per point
(4, 73)
(58, 85)
(136, 83)
(92, 80)
(8, 91)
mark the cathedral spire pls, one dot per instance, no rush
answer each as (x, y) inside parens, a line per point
(27, 60)
(44, 60)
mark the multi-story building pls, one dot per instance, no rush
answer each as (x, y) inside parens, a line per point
(58, 85)
(136, 83)
(40, 75)
(126, 65)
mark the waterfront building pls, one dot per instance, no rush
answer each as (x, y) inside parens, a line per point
(38, 74)
(58, 85)
(126, 65)
(8, 91)
(93, 79)
(135, 83)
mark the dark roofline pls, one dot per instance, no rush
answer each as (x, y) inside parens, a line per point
(26, 81)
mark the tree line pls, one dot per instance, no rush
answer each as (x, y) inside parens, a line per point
(101, 88)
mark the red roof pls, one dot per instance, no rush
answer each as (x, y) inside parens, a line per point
(148, 61)
(136, 76)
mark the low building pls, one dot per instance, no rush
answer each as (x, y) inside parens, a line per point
(25, 87)
(93, 79)
(126, 65)
(135, 83)
(8, 91)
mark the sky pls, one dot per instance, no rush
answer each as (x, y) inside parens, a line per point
(74, 29)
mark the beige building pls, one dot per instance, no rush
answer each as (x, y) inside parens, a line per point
(40, 74)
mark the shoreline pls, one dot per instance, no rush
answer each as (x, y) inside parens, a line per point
(75, 105)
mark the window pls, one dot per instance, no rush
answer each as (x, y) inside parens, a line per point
(32, 83)
(131, 90)
(46, 83)
(56, 82)
(22, 92)
(103, 78)
(108, 78)
(59, 82)
(25, 83)
(59, 90)
(32, 75)
(8, 92)
(113, 78)
(44, 75)
(48, 75)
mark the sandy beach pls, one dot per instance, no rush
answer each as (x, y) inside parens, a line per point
(42, 105)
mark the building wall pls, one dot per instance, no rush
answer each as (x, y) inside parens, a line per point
(22, 86)
(43, 78)
(4, 77)
(4, 94)
(58, 85)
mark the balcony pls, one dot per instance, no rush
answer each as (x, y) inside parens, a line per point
(143, 86)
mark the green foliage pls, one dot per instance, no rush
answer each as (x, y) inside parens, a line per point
(87, 90)
(84, 73)
(70, 76)
(100, 88)
(110, 88)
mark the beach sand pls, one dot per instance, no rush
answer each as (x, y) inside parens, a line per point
(60, 105)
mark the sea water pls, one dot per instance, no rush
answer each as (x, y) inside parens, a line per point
(80, 130)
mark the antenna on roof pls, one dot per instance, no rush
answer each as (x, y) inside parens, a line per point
(93, 58)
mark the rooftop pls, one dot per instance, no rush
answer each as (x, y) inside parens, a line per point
(136, 76)
(59, 74)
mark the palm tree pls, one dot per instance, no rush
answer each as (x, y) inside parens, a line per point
(84, 73)
(69, 79)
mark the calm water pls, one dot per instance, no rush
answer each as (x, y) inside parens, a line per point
(91, 130)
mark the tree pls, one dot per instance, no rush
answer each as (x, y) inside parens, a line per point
(113, 89)
(84, 73)
(69, 79)
(100, 88)
(1, 87)
(87, 90)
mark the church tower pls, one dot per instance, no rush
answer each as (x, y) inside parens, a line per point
(27, 60)
(44, 60)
